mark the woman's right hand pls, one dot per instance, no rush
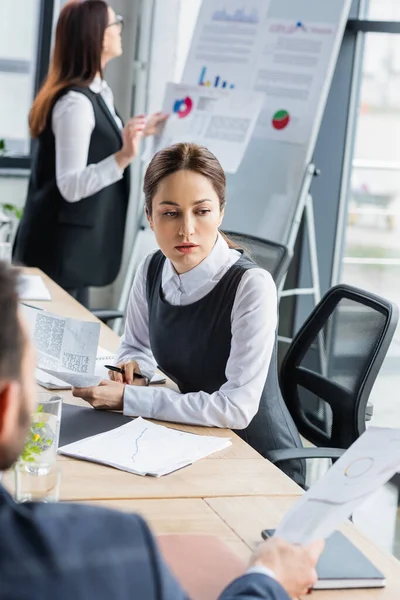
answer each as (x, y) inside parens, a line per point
(132, 134)
(130, 368)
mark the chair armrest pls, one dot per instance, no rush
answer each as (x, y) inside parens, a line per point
(108, 314)
(275, 456)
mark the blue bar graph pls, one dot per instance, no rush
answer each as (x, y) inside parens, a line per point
(217, 81)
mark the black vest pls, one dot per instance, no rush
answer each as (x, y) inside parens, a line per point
(77, 244)
(192, 343)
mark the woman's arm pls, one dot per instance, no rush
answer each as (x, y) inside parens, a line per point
(135, 342)
(254, 321)
(73, 122)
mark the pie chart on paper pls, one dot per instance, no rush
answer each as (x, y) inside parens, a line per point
(281, 119)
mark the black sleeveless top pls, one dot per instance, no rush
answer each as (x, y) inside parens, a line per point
(76, 243)
(192, 343)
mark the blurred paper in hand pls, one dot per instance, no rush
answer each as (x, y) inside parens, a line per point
(367, 465)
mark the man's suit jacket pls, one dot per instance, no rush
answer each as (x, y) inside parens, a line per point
(74, 552)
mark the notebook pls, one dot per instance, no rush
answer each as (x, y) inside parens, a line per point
(143, 448)
(202, 564)
(343, 566)
(78, 422)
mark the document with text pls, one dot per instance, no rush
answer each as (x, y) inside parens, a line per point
(66, 348)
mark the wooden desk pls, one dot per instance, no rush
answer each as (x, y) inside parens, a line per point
(233, 494)
(248, 516)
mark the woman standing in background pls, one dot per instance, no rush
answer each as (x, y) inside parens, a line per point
(74, 218)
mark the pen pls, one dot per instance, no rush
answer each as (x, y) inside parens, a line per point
(122, 371)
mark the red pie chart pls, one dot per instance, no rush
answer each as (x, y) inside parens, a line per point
(281, 119)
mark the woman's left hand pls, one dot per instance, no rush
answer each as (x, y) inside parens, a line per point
(108, 395)
(153, 122)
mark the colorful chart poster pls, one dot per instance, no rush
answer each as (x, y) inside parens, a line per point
(236, 46)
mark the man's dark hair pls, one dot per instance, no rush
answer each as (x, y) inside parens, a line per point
(11, 335)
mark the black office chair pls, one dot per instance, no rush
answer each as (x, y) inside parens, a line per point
(328, 372)
(271, 256)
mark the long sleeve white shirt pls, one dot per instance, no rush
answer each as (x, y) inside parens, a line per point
(253, 319)
(72, 123)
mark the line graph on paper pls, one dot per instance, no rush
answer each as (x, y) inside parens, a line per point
(136, 450)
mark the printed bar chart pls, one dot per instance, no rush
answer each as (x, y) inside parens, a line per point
(217, 81)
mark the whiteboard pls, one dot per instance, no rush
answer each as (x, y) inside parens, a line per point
(263, 195)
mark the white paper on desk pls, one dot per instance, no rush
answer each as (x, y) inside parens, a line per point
(50, 382)
(144, 448)
(63, 345)
(367, 465)
(32, 287)
(220, 119)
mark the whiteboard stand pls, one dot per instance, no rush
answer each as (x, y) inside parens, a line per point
(131, 268)
(305, 207)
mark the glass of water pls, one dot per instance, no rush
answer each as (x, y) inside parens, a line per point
(42, 441)
(37, 482)
(6, 252)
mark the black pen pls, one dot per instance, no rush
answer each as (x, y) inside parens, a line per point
(122, 371)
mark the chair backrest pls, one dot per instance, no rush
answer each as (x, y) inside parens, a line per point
(329, 369)
(271, 256)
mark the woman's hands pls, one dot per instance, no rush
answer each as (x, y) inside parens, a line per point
(132, 133)
(153, 122)
(108, 395)
(130, 368)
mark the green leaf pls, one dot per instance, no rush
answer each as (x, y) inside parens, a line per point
(11, 208)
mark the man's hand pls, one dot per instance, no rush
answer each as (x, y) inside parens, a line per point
(108, 395)
(294, 566)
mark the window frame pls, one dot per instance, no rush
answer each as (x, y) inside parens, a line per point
(43, 50)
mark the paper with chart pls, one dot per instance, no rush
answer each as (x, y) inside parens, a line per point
(367, 465)
(291, 70)
(65, 348)
(222, 120)
(226, 44)
(144, 448)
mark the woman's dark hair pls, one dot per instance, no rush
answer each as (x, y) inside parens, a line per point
(76, 57)
(181, 157)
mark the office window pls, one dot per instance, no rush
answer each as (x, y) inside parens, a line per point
(19, 25)
(383, 10)
(372, 249)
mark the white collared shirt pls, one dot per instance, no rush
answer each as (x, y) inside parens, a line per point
(72, 123)
(254, 321)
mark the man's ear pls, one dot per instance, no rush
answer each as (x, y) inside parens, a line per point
(9, 410)
(149, 218)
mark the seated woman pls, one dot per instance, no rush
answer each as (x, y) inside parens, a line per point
(203, 312)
